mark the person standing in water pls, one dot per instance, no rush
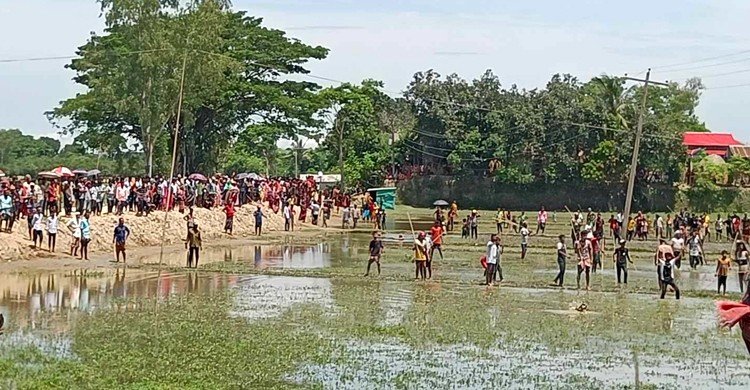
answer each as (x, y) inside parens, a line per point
(52, 231)
(562, 256)
(722, 270)
(119, 238)
(229, 222)
(621, 258)
(37, 225)
(85, 236)
(436, 234)
(258, 214)
(666, 275)
(376, 250)
(193, 244)
(420, 255)
(74, 225)
(741, 258)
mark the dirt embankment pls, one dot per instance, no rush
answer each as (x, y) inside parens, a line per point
(145, 231)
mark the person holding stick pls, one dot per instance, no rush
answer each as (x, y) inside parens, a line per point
(585, 256)
(666, 275)
(420, 256)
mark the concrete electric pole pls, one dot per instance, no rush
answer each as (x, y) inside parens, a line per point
(637, 146)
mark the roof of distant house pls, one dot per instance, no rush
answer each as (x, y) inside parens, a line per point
(701, 139)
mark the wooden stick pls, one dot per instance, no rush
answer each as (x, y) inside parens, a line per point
(413, 235)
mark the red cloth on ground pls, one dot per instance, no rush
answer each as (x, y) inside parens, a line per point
(732, 313)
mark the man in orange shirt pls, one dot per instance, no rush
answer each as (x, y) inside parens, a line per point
(436, 234)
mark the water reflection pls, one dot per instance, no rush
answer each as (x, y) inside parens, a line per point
(51, 301)
(263, 256)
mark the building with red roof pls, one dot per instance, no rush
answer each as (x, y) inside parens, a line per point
(712, 143)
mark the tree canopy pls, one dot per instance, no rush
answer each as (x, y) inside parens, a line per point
(233, 79)
(245, 96)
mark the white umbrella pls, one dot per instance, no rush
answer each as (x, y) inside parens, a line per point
(49, 175)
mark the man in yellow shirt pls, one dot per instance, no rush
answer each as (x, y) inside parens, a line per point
(420, 256)
(452, 215)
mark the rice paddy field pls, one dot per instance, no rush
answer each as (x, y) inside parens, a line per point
(298, 313)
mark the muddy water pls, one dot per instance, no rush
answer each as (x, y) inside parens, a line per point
(41, 308)
(262, 256)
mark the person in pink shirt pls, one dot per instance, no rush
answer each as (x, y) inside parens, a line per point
(585, 254)
(541, 220)
(121, 194)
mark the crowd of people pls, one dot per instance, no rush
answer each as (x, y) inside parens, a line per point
(42, 201)
(680, 236)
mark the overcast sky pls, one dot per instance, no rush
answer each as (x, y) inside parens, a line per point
(524, 42)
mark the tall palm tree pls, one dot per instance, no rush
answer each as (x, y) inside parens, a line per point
(610, 92)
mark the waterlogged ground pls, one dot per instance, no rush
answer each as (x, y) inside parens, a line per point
(301, 315)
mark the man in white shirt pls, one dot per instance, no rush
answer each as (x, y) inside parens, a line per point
(121, 193)
(659, 227)
(491, 260)
(694, 250)
(37, 225)
(52, 232)
(287, 217)
(678, 244)
(524, 240)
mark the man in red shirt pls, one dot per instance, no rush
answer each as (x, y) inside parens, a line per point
(229, 211)
(51, 204)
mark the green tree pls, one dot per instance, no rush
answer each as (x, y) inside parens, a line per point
(234, 77)
(354, 141)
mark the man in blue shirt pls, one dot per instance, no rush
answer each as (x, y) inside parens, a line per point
(6, 209)
(121, 235)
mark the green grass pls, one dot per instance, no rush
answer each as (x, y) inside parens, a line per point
(188, 343)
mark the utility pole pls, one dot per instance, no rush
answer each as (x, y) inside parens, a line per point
(393, 154)
(638, 134)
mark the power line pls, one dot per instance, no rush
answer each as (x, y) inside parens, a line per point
(729, 86)
(52, 58)
(707, 66)
(701, 60)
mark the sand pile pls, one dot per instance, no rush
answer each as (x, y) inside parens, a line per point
(145, 231)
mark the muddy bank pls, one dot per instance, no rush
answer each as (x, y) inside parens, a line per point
(146, 231)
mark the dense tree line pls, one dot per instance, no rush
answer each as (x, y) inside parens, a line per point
(25, 155)
(246, 88)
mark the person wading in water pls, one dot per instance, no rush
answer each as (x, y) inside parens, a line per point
(420, 255)
(376, 250)
(193, 244)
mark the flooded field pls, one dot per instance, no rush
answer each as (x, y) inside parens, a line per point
(300, 315)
